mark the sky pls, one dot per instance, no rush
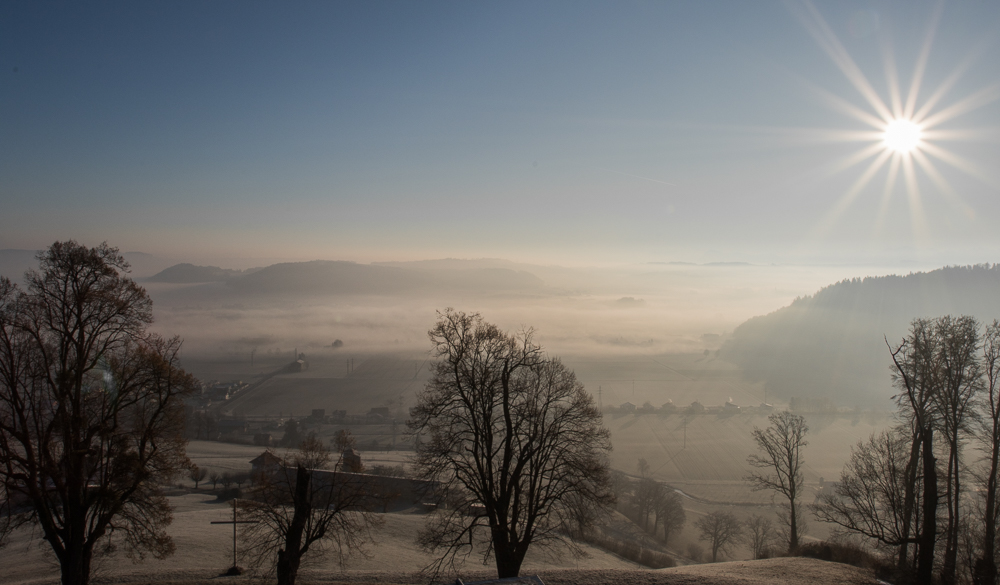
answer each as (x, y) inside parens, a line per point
(555, 132)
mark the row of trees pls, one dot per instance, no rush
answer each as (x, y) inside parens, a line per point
(723, 530)
(908, 488)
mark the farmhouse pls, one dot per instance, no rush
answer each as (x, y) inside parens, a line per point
(627, 407)
(385, 492)
(265, 464)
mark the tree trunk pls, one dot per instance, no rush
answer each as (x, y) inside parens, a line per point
(985, 570)
(951, 541)
(793, 528)
(74, 566)
(509, 560)
(909, 501)
(928, 532)
(290, 557)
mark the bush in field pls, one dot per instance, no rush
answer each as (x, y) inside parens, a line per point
(388, 470)
(632, 551)
(695, 552)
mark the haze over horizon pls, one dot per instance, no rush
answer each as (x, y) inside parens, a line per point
(554, 133)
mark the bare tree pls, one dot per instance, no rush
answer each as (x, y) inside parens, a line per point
(722, 531)
(510, 431)
(302, 507)
(781, 459)
(215, 477)
(91, 413)
(985, 568)
(759, 534)
(916, 375)
(344, 440)
(870, 499)
(960, 376)
(670, 513)
(197, 474)
(647, 495)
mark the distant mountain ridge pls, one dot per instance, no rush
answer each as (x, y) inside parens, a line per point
(332, 277)
(832, 345)
(189, 273)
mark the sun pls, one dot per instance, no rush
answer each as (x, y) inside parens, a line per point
(903, 129)
(902, 136)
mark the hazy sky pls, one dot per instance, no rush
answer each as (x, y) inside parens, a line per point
(568, 132)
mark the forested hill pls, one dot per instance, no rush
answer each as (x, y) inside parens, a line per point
(831, 346)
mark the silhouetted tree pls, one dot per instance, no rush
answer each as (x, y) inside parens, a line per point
(960, 376)
(292, 436)
(510, 430)
(917, 375)
(870, 499)
(197, 474)
(722, 531)
(91, 407)
(670, 513)
(300, 508)
(985, 567)
(781, 445)
(758, 534)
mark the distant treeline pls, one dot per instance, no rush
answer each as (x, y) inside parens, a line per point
(832, 344)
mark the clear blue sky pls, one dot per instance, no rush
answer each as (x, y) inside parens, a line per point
(569, 132)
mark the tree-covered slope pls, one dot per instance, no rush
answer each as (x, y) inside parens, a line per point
(831, 345)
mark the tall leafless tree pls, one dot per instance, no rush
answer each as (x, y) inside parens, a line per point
(513, 433)
(722, 530)
(985, 568)
(960, 376)
(91, 413)
(780, 458)
(870, 498)
(301, 507)
(916, 376)
(758, 534)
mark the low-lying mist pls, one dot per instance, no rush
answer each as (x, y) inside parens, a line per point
(648, 309)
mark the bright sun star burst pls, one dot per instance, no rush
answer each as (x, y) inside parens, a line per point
(904, 131)
(902, 135)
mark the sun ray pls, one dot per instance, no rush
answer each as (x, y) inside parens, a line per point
(942, 184)
(847, 198)
(921, 66)
(975, 101)
(890, 185)
(917, 220)
(851, 160)
(889, 59)
(951, 80)
(958, 162)
(810, 135)
(988, 135)
(829, 42)
(846, 107)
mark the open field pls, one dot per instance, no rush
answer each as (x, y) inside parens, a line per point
(711, 461)
(703, 455)
(204, 550)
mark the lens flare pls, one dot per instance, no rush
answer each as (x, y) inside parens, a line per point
(902, 136)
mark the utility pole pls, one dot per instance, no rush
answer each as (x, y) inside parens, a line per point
(234, 570)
